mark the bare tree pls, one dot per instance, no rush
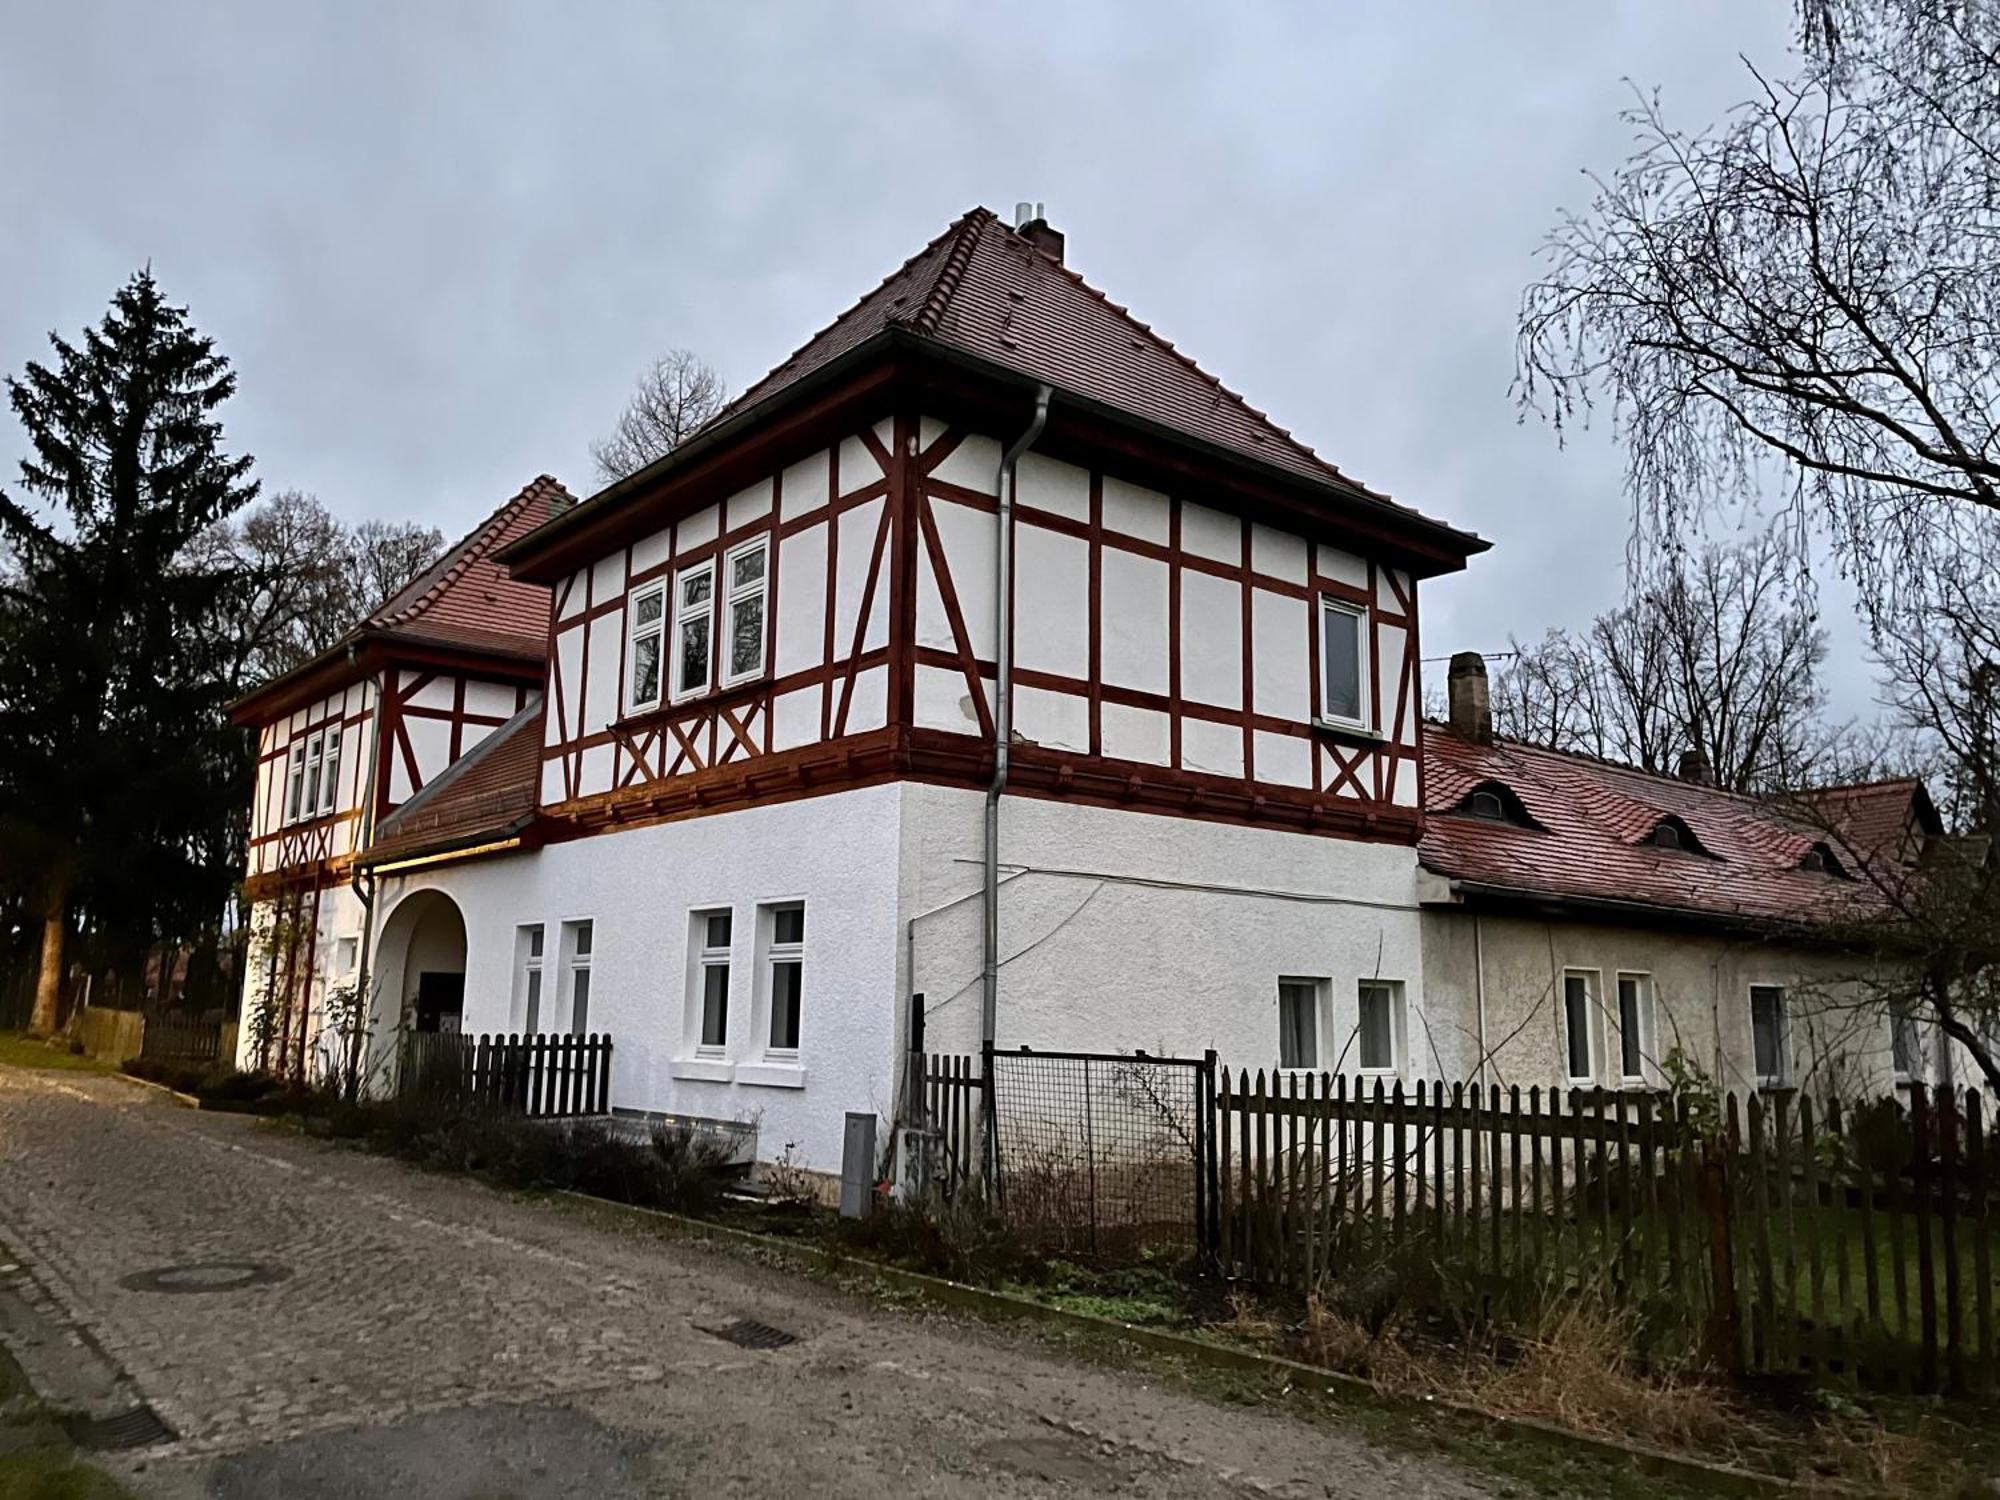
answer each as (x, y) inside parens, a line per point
(1717, 651)
(673, 399)
(1808, 284)
(314, 578)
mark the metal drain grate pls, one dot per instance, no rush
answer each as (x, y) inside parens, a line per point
(746, 1333)
(140, 1427)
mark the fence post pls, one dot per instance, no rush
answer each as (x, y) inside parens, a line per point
(1725, 1326)
(1208, 1222)
(914, 1117)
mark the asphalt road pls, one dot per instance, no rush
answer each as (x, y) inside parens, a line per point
(312, 1322)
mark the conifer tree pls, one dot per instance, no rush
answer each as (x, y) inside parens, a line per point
(118, 770)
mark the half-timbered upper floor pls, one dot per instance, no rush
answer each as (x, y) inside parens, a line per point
(348, 737)
(1207, 619)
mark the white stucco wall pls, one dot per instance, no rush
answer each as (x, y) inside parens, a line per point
(338, 915)
(837, 854)
(1122, 930)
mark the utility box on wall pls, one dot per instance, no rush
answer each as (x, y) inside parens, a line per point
(857, 1167)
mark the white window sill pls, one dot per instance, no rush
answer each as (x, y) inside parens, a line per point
(769, 1075)
(1351, 731)
(707, 1069)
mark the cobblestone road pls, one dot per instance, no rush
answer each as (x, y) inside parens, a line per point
(434, 1338)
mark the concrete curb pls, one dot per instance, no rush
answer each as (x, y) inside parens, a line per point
(188, 1101)
(1295, 1373)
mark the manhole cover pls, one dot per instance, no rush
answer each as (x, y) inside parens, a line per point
(205, 1276)
(748, 1334)
(140, 1427)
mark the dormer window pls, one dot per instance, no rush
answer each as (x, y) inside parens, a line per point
(1821, 860)
(1495, 802)
(1672, 833)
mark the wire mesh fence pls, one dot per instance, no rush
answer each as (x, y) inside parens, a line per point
(1100, 1155)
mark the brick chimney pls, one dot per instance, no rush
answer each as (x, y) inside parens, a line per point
(1694, 767)
(1031, 223)
(1471, 704)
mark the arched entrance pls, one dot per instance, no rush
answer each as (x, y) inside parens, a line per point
(419, 980)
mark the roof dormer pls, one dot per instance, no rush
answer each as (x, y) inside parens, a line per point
(1496, 802)
(1674, 834)
(1820, 859)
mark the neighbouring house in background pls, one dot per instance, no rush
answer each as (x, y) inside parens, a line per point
(748, 819)
(347, 738)
(1585, 920)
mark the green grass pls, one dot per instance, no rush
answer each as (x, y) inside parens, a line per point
(36, 1459)
(18, 1050)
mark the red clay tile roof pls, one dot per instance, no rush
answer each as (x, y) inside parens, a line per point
(984, 289)
(489, 793)
(1596, 818)
(466, 598)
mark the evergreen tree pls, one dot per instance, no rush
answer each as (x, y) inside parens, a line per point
(119, 774)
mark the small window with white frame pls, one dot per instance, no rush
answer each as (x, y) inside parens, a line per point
(782, 934)
(1581, 1027)
(345, 956)
(295, 782)
(1299, 1004)
(1770, 1035)
(528, 941)
(1379, 1035)
(329, 777)
(694, 630)
(1343, 663)
(579, 938)
(709, 935)
(309, 803)
(645, 647)
(1635, 1026)
(743, 612)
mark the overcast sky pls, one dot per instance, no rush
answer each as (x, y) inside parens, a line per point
(440, 240)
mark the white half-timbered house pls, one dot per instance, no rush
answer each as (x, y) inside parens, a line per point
(986, 650)
(347, 738)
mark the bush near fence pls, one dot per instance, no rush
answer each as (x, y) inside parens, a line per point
(1778, 1237)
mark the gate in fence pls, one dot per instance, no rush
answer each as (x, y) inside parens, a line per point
(538, 1076)
(1100, 1154)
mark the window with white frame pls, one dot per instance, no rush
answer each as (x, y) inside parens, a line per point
(345, 955)
(577, 945)
(744, 612)
(1580, 1026)
(694, 629)
(1905, 1044)
(329, 780)
(1635, 1026)
(783, 934)
(1298, 1022)
(1379, 1029)
(295, 782)
(310, 802)
(709, 933)
(1770, 1035)
(528, 943)
(1343, 663)
(646, 630)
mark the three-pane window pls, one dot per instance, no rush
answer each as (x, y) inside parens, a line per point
(745, 606)
(694, 628)
(313, 775)
(784, 965)
(577, 942)
(1343, 663)
(648, 631)
(712, 931)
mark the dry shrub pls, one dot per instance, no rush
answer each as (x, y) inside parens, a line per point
(1577, 1369)
(1371, 1349)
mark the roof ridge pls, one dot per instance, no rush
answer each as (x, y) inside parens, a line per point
(955, 227)
(969, 227)
(449, 568)
(1168, 346)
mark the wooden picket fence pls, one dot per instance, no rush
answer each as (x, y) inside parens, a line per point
(955, 1113)
(182, 1039)
(539, 1076)
(1771, 1235)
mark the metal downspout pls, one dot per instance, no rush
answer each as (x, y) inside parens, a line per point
(1003, 720)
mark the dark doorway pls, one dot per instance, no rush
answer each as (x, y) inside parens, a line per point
(440, 1001)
